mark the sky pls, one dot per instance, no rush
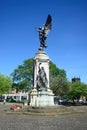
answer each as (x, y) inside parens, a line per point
(67, 41)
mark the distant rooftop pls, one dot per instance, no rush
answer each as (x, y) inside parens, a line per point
(75, 79)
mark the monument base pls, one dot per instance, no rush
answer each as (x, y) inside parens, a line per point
(41, 98)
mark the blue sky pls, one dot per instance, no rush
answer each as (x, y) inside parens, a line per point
(67, 41)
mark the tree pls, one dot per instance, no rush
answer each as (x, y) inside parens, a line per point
(55, 71)
(23, 75)
(78, 89)
(59, 86)
(5, 84)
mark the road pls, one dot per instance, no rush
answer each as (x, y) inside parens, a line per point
(32, 122)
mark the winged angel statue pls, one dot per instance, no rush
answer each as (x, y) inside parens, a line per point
(43, 32)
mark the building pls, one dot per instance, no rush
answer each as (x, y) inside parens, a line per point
(76, 79)
(16, 96)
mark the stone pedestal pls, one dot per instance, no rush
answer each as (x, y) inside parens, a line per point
(42, 98)
(41, 95)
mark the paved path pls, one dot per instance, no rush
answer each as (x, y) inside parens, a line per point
(28, 122)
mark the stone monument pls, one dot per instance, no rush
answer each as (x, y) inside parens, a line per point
(41, 95)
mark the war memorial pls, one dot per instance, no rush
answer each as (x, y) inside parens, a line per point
(41, 94)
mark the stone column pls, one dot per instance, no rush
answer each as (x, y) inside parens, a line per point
(41, 95)
(41, 59)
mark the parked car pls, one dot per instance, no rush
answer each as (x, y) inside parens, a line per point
(60, 100)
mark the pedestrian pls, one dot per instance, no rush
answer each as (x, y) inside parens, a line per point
(4, 101)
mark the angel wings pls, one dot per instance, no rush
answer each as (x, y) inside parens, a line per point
(44, 30)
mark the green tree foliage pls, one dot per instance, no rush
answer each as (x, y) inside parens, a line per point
(77, 90)
(5, 84)
(23, 75)
(55, 71)
(59, 85)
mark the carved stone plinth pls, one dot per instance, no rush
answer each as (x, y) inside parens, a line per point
(42, 98)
